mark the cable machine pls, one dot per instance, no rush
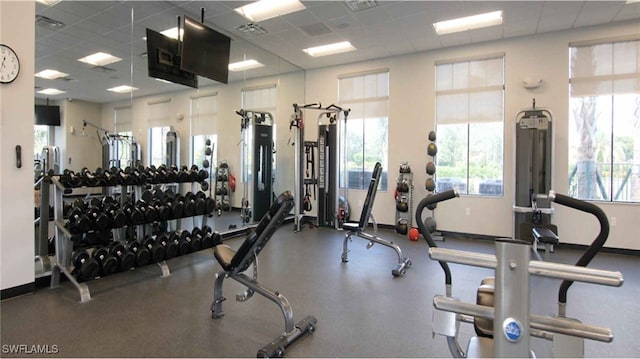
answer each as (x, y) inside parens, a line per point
(257, 163)
(533, 172)
(117, 150)
(326, 178)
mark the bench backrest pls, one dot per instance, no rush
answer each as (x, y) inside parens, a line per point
(258, 238)
(371, 196)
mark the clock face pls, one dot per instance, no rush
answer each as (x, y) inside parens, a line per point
(9, 66)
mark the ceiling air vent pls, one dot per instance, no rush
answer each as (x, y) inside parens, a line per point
(49, 23)
(252, 29)
(359, 5)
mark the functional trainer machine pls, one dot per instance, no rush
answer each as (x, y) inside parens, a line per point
(257, 160)
(327, 180)
(532, 217)
(358, 228)
(235, 263)
(501, 315)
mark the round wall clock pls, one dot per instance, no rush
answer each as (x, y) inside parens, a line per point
(10, 64)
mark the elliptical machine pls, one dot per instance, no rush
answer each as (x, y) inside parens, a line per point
(501, 315)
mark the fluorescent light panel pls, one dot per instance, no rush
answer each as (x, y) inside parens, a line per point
(245, 65)
(100, 59)
(330, 49)
(48, 2)
(51, 74)
(468, 23)
(51, 91)
(267, 9)
(122, 89)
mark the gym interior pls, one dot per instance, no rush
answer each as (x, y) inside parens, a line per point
(426, 189)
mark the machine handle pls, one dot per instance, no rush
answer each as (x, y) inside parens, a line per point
(597, 243)
(438, 197)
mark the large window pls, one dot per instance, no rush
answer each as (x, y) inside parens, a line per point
(261, 98)
(204, 117)
(366, 133)
(470, 125)
(158, 119)
(604, 125)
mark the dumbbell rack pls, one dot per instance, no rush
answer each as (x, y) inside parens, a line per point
(404, 195)
(63, 237)
(222, 183)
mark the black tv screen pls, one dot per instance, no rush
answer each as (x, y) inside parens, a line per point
(163, 59)
(205, 51)
(47, 115)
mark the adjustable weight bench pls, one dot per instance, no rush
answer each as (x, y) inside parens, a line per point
(234, 263)
(358, 228)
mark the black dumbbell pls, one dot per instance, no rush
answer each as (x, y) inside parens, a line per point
(183, 240)
(146, 206)
(156, 250)
(98, 218)
(170, 247)
(189, 204)
(106, 177)
(70, 179)
(205, 234)
(176, 205)
(198, 202)
(209, 203)
(126, 259)
(112, 211)
(78, 222)
(133, 214)
(141, 253)
(108, 263)
(197, 239)
(89, 178)
(85, 267)
(165, 175)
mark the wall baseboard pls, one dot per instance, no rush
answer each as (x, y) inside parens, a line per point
(18, 290)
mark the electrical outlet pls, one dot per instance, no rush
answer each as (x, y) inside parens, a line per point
(613, 221)
(468, 211)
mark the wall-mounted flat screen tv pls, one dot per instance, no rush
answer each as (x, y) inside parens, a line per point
(163, 59)
(47, 115)
(205, 51)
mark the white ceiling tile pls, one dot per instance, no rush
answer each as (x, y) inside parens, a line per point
(595, 13)
(372, 17)
(629, 11)
(486, 34)
(329, 10)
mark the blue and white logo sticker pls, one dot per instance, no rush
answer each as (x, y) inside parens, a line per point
(512, 329)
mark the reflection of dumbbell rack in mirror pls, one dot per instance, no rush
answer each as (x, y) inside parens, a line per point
(222, 188)
(430, 182)
(404, 199)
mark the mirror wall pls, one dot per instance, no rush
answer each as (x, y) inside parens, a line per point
(119, 28)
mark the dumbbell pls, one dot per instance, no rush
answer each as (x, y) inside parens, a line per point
(141, 253)
(126, 259)
(99, 219)
(209, 203)
(70, 179)
(189, 204)
(106, 177)
(133, 176)
(89, 179)
(156, 250)
(183, 240)
(108, 263)
(184, 175)
(95, 238)
(198, 238)
(112, 210)
(85, 267)
(151, 174)
(133, 214)
(146, 206)
(78, 222)
(176, 205)
(199, 202)
(205, 234)
(170, 247)
(164, 175)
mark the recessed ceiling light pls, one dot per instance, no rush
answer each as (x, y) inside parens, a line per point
(48, 2)
(51, 91)
(100, 59)
(51, 74)
(330, 49)
(468, 23)
(172, 33)
(123, 89)
(245, 65)
(267, 9)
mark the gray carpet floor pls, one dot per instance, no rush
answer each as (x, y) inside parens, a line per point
(362, 310)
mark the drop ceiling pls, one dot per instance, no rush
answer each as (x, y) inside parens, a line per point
(387, 29)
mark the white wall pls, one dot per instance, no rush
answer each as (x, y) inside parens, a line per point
(16, 128)
(411, 117)
(290, 90)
